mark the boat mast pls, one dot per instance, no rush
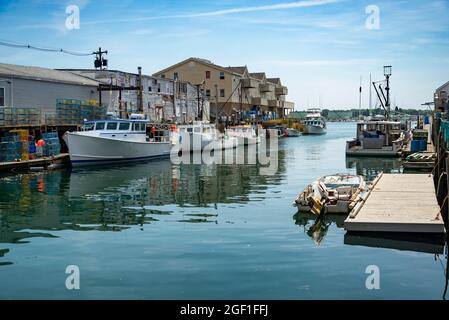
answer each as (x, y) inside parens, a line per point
(370, 94)
(360, 99)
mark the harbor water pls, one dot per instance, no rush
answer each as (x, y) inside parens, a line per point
(157, 230)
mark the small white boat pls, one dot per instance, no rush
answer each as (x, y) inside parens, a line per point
(246, 135)
(290, 132)
(315, 122)
(114, 140)
(338, 193)
(202, 135)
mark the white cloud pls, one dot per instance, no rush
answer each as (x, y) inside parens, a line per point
(279, 6)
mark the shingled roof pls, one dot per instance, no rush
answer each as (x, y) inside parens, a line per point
(258, 75)
(239, 69)
(274, 80)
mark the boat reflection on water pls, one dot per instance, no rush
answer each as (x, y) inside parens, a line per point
(317, 227)
(118, 197)
(370, 167)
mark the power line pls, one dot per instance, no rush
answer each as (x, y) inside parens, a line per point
(28, 46)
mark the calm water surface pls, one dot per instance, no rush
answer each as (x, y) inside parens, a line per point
(161, 231)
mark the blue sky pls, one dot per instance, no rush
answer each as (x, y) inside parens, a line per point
(319, 48)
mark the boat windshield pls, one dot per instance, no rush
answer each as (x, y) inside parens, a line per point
(88, 126)
(100, 125)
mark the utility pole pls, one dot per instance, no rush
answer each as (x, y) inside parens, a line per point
(174, 99)
(140, 93)
(100, 62)
(216, 104)
(198, 102)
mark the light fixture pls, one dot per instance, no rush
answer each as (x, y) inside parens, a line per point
(387, 71)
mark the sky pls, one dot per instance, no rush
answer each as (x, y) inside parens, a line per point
(321, 49)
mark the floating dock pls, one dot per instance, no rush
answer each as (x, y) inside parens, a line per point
(62, 159)
(399, 203)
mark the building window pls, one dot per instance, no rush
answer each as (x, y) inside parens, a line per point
(222, 75)
(222, 93)
(208, 93)
(163, 76)
(207, 74)
(2, 97)
(150, 89)
(176, 76)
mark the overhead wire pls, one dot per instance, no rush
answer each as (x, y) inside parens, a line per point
(29, 46)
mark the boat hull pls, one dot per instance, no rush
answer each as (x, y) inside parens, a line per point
(352, 150)
(309, 129)
(89, 150)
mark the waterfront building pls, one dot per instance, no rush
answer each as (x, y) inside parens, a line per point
(160, 99)
(233, 91)
(441, 97)
(34, 87)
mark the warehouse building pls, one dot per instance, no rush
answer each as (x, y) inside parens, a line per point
(34, 87)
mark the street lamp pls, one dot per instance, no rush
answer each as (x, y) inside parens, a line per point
(387, 71)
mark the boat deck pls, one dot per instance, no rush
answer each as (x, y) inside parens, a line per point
(399, 203)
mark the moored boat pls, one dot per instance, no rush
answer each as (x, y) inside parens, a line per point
(376, 138)
(246, 135)
(115, 140)
(201, 135)
(315, 123)
(290, 132)
(338, 193)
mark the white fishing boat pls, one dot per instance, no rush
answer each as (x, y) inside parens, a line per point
(338, 193)
(315, 123)
(377, 138)
(114, 140)
(201, 135)
(246, 135)
(290, 132)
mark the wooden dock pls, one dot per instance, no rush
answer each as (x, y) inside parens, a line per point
(60, 159)
(399, 203)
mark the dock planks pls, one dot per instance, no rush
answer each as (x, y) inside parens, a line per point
(400, 203)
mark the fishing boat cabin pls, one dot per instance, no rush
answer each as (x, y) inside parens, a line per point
(376, 138)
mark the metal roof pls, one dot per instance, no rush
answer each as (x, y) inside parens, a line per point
(44, 74)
